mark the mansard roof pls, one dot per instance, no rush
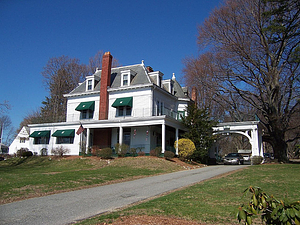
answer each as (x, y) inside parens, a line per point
(141, 78)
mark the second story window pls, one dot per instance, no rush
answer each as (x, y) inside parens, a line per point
(123, 106)
(86, 114)
(86, 110)
(124, 111)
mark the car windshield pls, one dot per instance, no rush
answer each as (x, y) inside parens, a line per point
(233, 155)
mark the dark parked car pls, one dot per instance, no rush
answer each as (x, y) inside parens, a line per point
(234, 158)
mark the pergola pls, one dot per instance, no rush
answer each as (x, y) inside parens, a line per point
(250, 129)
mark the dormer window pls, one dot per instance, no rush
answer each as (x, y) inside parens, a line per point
(90, 85)
(156, 77)
(126, 77)
(125, 80)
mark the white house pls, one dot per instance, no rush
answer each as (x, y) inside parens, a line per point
(129, 104)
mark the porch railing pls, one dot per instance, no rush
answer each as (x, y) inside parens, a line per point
(142, 112)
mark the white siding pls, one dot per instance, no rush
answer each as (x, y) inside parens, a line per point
(73, 115)
(141, 103)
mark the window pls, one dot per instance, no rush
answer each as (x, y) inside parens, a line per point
(22, 140)
(125, 79)
(86, 110)
(181, 114)
(90, 85)
(40, 137)
(41, 140)
(86, 114)
(124, 111)
(64, 136)
(159, 108)
(64, 140)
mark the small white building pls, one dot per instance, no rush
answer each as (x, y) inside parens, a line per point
(129, 104)
(20, 141)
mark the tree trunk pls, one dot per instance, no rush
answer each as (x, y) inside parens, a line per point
(279, 146)
(280, 149)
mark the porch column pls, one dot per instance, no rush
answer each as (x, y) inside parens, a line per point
(176, 139)
(120, 134)
(163, 137)
(88, 132)
(255, 143)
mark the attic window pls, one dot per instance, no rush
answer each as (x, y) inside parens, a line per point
(125, 80)
(90, 85)
(126, 77)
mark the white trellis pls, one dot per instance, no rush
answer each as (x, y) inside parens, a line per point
(250, 129)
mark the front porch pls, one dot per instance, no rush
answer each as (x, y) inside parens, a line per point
(143, 135)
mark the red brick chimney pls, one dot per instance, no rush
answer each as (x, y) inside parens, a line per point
(105, 82)
(194, 95)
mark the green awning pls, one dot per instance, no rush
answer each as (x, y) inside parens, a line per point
(44, 133)
(64, 133)
(86, 106)
(122, 102)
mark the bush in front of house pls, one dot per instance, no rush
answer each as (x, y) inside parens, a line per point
(27, 154)
(156, 152)
(60, 151)
(169, 155)
(186, 148)
(141, 153)
(133, 151)
(256, 160)
(22, 151)
(121, 149)
(105, 153)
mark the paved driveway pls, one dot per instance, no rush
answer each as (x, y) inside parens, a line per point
(68, 207)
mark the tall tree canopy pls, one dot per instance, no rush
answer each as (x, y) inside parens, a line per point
(251, 65)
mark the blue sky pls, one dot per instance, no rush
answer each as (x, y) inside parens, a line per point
(162, 33)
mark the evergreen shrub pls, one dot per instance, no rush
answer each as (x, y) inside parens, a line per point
(21, 151)
(27, 154)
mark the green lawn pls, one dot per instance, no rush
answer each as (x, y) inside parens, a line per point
(36, 176)
(215, 201)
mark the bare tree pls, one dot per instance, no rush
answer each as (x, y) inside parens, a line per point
(96, 62)
(33, 117)
(253, 49)
(61, 75)
(6, 130)
(4, 106)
